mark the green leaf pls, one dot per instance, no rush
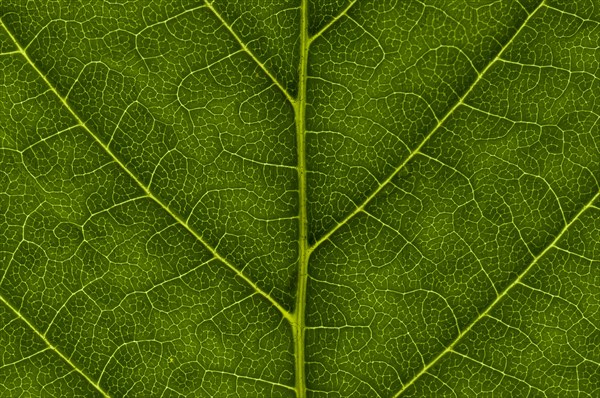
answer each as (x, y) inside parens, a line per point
(300, 198)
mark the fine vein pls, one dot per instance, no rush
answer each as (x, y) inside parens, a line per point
(53, 348)
(333, 21)
(439, 124)
(247, 50)
(490, 307)
(145, 188)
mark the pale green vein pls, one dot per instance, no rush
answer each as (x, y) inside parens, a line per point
(298, 325)
(52, 347)
(145, 188)
(242, 377)
(581, 256)
(417, 150)
(250, 53)
(170, 18)
(333, 21)
(492, 305)
(28, 357)
(485, 365)
(572, 14)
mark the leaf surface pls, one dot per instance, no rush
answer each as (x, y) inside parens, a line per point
(300, 198)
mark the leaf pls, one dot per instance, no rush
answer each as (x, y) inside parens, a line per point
(300, 198)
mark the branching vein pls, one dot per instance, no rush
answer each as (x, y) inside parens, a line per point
(52, 347)
(499, 297)
(145, 188)
(415, 151)
(249, 52)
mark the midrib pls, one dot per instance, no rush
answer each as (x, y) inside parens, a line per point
(298, 323)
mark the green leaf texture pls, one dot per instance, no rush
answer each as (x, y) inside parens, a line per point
(300, 198)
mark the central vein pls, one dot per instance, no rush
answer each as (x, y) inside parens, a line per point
(298, 325)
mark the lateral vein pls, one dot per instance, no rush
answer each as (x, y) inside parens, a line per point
(414, 152)
(250, 53)
(332, 22)
(499, 297)
(52, 347)
(286, 314)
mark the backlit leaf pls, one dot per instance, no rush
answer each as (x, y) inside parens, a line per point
(300, 198)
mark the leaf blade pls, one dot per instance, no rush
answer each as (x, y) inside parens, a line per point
(204, 199)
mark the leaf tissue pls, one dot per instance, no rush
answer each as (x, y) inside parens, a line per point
(300, 198)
